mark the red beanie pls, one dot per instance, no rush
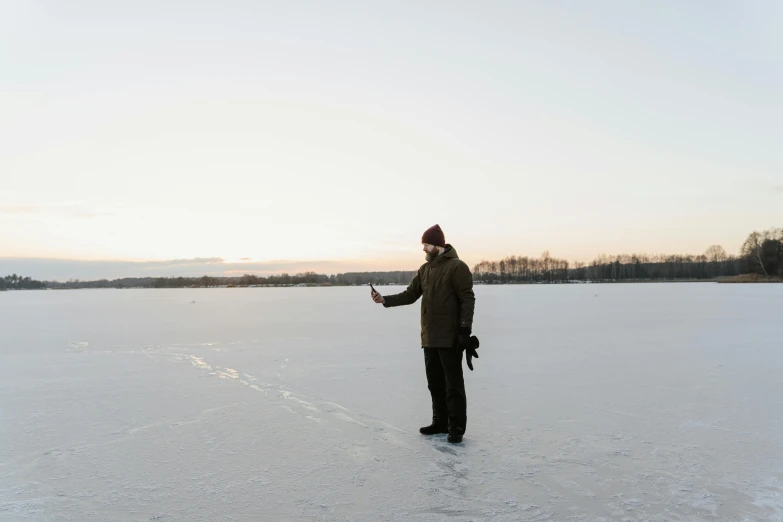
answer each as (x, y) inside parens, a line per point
(434, 236)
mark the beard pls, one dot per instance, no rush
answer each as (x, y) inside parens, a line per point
(429, 257)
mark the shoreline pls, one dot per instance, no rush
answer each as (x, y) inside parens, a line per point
(733, 280)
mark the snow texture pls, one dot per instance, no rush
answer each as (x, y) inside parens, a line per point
(650, 402)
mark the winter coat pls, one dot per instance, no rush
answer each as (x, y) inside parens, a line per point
(445, 285)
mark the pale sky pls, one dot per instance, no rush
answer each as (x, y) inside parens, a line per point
(335, 133)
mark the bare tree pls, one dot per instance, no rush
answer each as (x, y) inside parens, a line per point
(716, 254)
(752, 249)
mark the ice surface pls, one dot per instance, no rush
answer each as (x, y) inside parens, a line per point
(589, 402)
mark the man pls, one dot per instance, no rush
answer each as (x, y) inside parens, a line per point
(445, 285)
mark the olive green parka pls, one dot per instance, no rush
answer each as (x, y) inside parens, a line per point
(445, 285)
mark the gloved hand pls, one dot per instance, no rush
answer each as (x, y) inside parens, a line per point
(463, 338)
(469, 344)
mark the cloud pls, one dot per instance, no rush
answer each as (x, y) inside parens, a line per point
(179, 262)
(48, 269)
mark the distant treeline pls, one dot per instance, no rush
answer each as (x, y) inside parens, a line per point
(308, 279)
(15, 282)
(761, 253)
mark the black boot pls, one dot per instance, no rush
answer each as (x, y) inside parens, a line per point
(434, 429)
(455, 435)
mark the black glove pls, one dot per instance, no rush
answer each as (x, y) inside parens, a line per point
(463, 338)
(469, 344)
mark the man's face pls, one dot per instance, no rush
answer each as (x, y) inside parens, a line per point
(430, 251)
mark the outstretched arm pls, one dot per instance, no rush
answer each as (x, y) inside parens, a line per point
(409, 296)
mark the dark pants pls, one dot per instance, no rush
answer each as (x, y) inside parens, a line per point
(444, 379)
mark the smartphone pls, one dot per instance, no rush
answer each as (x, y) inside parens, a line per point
(373, 288)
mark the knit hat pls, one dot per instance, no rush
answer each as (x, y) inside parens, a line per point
(434, 236)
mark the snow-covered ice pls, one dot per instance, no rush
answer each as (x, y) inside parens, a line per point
(589, 403)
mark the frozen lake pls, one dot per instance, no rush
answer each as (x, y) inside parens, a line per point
(589, 402)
